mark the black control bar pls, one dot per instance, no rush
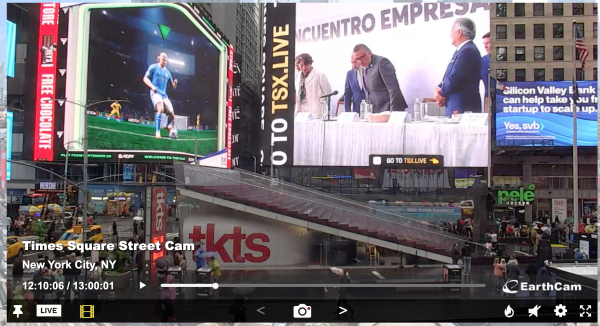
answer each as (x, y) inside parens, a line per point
(515, 310)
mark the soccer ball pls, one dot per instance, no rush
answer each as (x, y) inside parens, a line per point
(173, 134)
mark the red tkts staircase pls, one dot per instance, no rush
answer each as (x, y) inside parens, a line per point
(313, 206)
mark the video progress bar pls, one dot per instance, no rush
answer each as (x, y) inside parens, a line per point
(387, 285)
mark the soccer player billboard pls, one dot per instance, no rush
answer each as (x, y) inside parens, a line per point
(150, 80)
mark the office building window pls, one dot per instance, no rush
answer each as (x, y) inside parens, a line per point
(558, 30)
(558, 74)
(539, 31)
(539, 74)
(519, 9)
(538, 9)
(579, 30)
(595, 30)
(595, 74)
(520, 75)
(501, 53)
(558, 53)
(539, 53)
(520, 53)
(501, 75)
(580, 74)
(595, 52)
(519, 31)
(501, 32)
(595, 10)
(578, 9)
(501, 10)
(557, 9)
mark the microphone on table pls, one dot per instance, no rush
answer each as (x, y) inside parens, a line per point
(330, 95)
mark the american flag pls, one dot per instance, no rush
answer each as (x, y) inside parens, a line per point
(581, 48)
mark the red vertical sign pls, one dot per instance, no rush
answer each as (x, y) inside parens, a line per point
(3, 170)
(229, 105)
(159, 223)
(46, 82)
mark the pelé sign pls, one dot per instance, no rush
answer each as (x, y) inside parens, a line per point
(519, 197)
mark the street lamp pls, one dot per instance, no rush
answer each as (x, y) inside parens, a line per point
(65, 180)
(84, 139)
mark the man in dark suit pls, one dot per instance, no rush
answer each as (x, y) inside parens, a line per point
(381, 85)
(485, 68)
(355, 91)
(459, 90)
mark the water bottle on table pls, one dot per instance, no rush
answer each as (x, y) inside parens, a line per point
(417, 110)
(363, 110)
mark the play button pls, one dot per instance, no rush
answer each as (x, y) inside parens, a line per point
(342, 310)
(142, 285)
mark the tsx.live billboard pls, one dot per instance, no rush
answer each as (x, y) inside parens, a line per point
(296, 97)
(540, 113)
(148, 58)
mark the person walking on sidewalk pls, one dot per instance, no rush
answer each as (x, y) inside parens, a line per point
(532, 271)
(114, 228)
(513, 261)
(214, 264)
(17, 272)
(488, 249)
(466, 257)
(498, 274)
(198, 258)
(342, 291)
(139, 262)
(455, 254)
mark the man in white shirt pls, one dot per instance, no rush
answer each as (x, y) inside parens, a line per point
(312, 86)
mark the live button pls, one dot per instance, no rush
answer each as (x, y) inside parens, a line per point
(48, 310)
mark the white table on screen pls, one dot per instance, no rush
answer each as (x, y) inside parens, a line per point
(351, 143)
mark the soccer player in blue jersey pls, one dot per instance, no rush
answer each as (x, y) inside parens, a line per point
(156, 78)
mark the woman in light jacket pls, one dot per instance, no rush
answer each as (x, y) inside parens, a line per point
(499, 270)
(311, 87)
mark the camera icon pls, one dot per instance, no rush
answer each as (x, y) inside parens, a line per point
(302, 311)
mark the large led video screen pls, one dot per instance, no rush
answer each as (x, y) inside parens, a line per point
(11, 46)
(132, 62)
(540, 114)
(426, 60)
(9, 136)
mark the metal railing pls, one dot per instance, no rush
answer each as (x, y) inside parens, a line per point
(210, 177)
(343, 200)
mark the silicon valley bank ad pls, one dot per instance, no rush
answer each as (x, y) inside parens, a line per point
(540, 114)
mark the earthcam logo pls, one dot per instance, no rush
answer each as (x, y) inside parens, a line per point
(512, 287)
(122, 156)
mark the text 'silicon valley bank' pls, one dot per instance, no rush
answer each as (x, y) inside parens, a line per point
(86, 311)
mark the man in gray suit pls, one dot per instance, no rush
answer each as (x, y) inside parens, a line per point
(380, 82)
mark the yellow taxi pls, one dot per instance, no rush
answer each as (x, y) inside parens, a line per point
(14, 247)
(94, 232)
